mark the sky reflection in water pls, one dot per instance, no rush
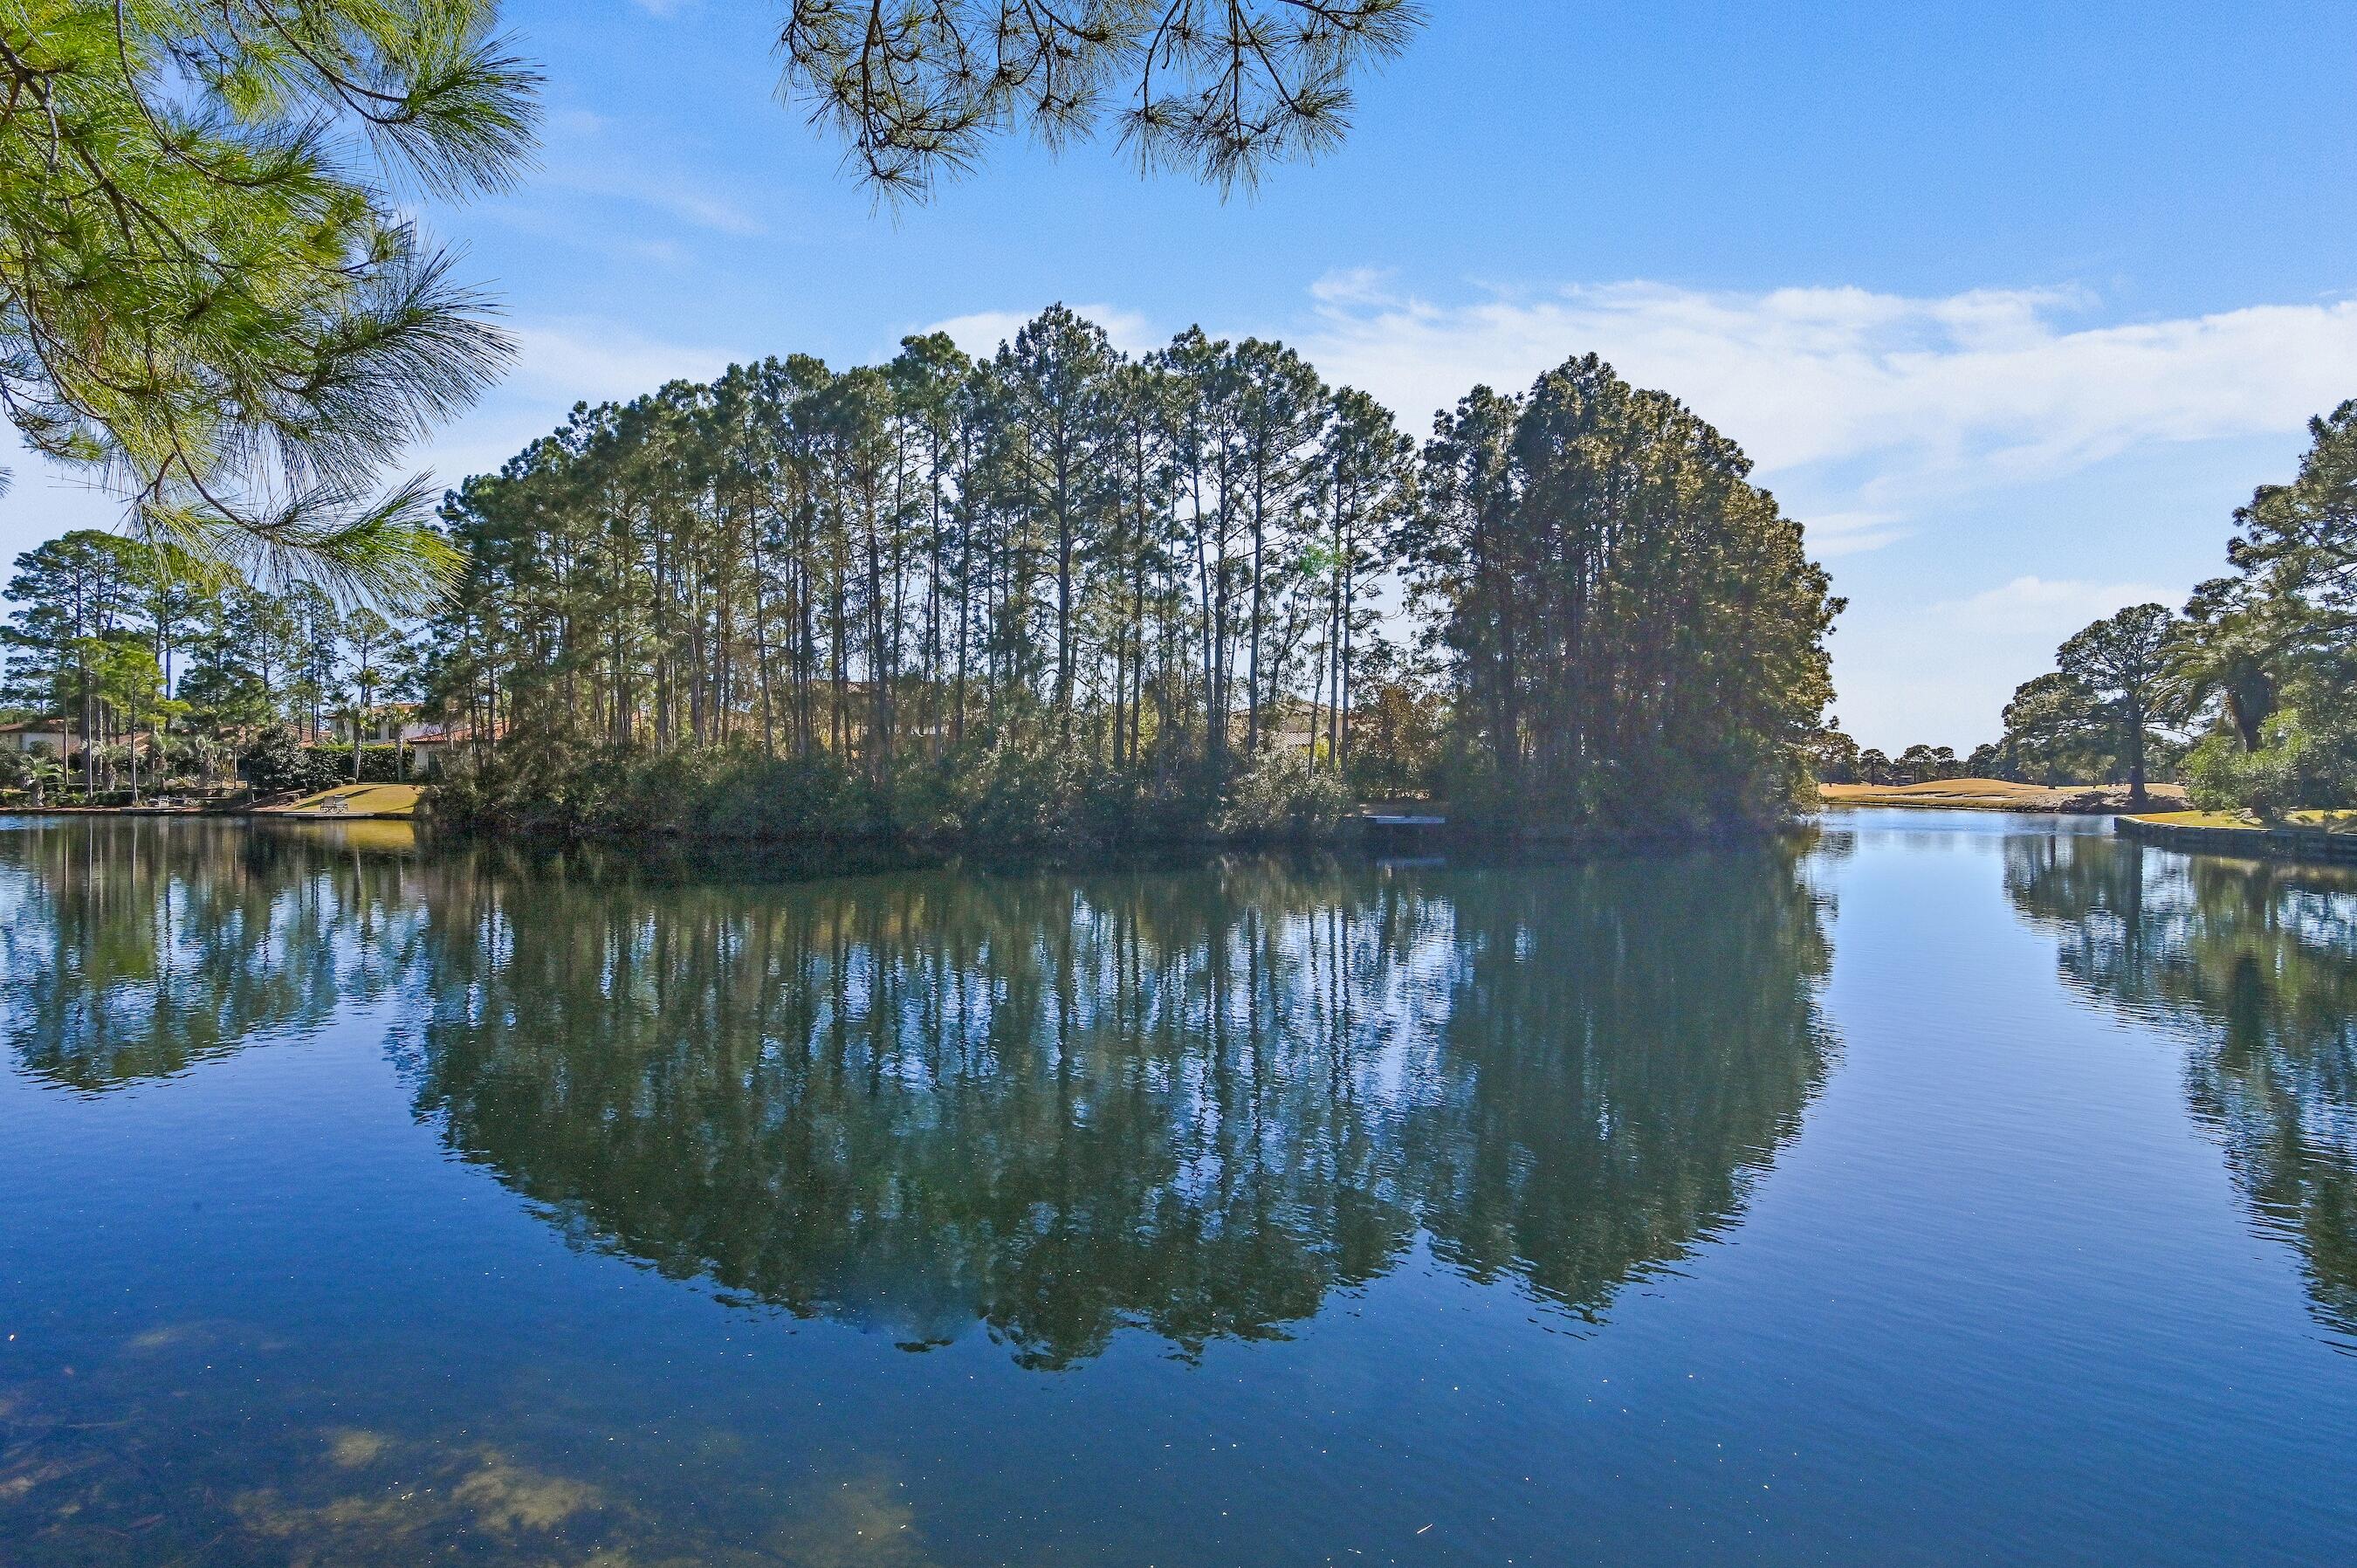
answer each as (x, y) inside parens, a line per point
(1833, 1201)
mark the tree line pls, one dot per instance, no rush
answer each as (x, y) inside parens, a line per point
(1112, 553)
(156, 667)
(1634, 633)
(1158, 583)
(2249, 695)
(1055, 591)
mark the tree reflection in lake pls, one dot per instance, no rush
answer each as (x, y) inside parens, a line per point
(1189, 1101)
(132, 950)
(1192, 1101)
(2261, 961)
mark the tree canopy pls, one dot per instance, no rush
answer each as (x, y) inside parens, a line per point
(1057, 573)
(1054, 558)
(1636, 631)
(1053, 592)
(145, 656)
(2104, 714)
(2257, 676)
(916, 89)
(209, 292)
(2118, 660)
(2267, 656)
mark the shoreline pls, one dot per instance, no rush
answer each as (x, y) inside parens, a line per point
(213, 813)
(1385, 834)
(2314, 846)
(2001, 795)
(392, 803)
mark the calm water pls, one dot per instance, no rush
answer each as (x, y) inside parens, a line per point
(1938, 1189)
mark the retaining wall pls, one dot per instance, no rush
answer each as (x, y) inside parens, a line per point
(2274, 844)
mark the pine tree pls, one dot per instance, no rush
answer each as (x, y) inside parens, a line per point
(1222, 90)
(208, 298)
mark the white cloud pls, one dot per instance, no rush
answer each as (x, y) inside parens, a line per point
(1876, 416)
(579, 123)
(1867, 408)
(586, 160)
(981, 332)
(1930, 395)
(582, 359)
(676, 195)
(1833, 534)
(2046, 608)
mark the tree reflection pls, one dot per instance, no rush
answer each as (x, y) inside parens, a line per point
(132, 950)
(1192, 1103)
(2261, 960)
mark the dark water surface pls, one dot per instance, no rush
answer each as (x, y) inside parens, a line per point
(1936, 1189)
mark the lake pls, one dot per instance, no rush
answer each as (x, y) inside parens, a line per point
(1928, 1188)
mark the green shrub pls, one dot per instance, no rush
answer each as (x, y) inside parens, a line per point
(1003, 789)
(2296, 765)
(380, 762)
(275, 763)
(1279, 796)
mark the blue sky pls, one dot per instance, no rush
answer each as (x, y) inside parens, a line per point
(2011, 303)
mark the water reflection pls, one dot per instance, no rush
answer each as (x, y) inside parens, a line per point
(2261, 961)
(132, 951)
(1192, 1103)
(1188, 1101)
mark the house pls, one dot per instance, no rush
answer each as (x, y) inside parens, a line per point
(429, 744)
(425, 742)
(1293, 724)
(387, 721)
(56, 736)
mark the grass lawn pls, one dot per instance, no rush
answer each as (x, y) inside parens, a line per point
(1990, 795)
(2330, 822)
(358, 801)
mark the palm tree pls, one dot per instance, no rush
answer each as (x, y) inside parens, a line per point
(208, 752)
(2227, 653)
(42, 771)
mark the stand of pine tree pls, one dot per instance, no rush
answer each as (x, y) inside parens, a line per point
(1059, 595)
